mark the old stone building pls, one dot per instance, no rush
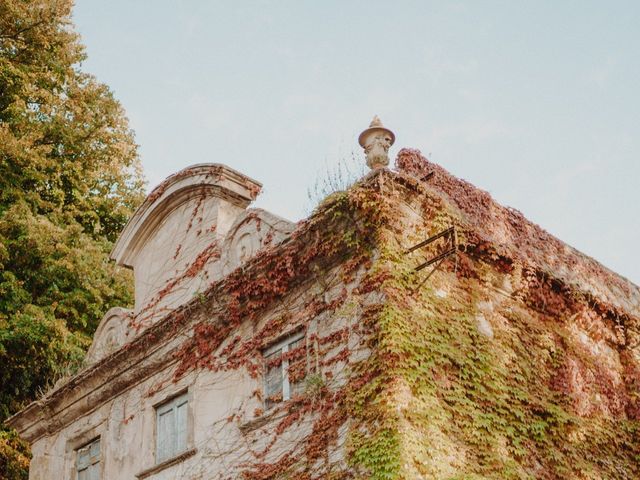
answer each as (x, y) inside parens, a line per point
(410, 328)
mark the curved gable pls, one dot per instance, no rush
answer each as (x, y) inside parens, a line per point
(207, 179)
(177, 232)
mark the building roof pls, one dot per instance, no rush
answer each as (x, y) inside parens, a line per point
(513, 235)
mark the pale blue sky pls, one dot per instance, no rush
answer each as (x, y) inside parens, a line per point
(536, 102)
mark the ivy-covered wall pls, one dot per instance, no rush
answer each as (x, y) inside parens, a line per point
(516, 358)
(492, 367)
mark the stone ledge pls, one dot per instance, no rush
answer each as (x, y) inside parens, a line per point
(274, 413)
(166, 464)
(260, 421)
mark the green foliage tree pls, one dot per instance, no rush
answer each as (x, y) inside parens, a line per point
(69, 178)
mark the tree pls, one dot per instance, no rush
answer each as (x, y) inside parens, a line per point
(69, 178)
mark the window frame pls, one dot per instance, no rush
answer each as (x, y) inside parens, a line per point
(282, 345)
(172, 403)
(93, 460)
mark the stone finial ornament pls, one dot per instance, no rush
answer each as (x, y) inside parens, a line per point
(376, 141)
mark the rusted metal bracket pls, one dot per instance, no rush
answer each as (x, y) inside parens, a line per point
(452, 246)
(431, 261)
(428, 176)
(451, 231)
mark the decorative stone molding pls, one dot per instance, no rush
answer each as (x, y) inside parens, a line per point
(253, 230)
(112, 333)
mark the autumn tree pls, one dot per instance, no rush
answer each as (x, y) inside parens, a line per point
(69, 178)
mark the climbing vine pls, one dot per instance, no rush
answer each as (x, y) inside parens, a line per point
(496, 367)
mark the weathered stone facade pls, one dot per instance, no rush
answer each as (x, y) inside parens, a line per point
(517, 357)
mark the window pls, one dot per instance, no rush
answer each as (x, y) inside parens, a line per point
(88, 461)
(285, 369)
(171, 428)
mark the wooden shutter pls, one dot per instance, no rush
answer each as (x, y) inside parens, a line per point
(88, 461)
(172, 428)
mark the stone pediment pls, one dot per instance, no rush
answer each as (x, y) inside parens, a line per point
(252, 231)
(112, 333)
